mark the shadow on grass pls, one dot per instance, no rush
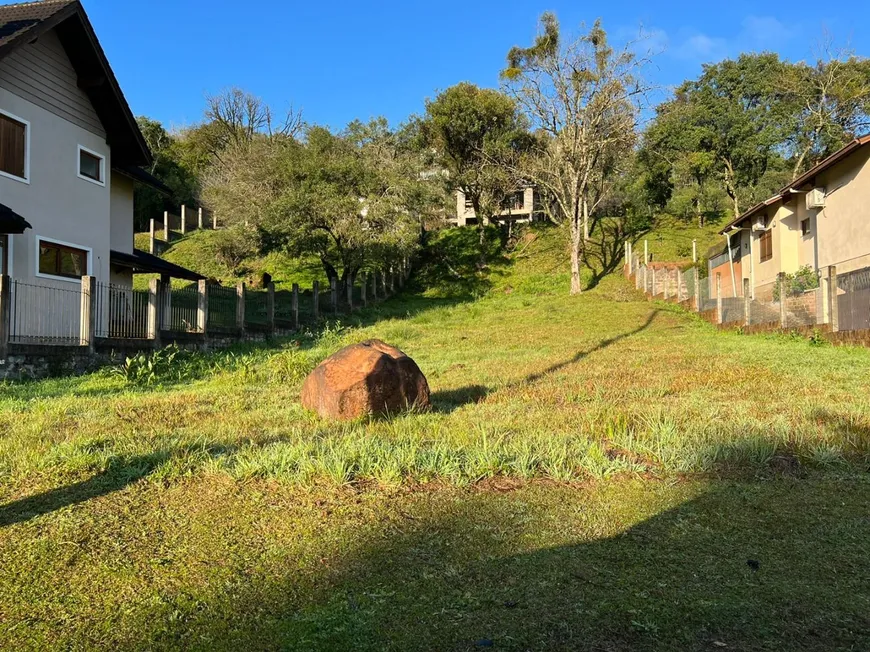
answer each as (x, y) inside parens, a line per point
(745, 566)
(119, 473)
(447, 401)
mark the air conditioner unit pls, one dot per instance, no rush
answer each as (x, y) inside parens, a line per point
(760, 223)
(815, 199)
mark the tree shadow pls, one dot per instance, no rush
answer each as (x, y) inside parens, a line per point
(448, 400)
(119, 473)
(744, 566)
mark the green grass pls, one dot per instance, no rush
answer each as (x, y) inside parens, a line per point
(596, 473)
(671, 239)
(197, 251)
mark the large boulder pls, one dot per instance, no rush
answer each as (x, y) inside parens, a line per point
(366, 378)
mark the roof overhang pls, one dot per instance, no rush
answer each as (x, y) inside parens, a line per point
(139, 175)
(11, 222)
(20, 24)
(141, 262)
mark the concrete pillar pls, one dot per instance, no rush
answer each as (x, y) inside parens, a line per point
(152, 234)
(653, 292)
(5, 314)
(646, 252)
(270, 305)
(719, 297)
(183, 219)
(202, 307)
(833, 302)
(240, 307)
(295, 306)
(199, 218)
(392, 280)
(783, 317)
(667, 289)
(694, 251)
(747, 303)
(166, 226)
(316, 292)
(88, 323)
(333, 294)
(165, 302)
(154, 296)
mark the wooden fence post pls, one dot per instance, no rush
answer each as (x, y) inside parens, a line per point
(88, 325)
(240, 307)
(833, 300)
(783, 317)
(5, 314)
(747, 303)
(295, 306)
(362, 290)
(333, 294)
(270, 306)
(315, 290)
(166, 226)
(154, 296)
(151, 229)
(719, 314)
(202, 307)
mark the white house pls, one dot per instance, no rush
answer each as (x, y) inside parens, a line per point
(70, 153)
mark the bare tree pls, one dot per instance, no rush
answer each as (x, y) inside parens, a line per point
(583, 99)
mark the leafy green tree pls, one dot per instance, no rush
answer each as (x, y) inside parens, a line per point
(477, 135)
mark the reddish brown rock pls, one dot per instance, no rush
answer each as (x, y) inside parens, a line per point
(366, 378)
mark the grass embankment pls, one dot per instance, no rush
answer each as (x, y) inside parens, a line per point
(598, 472)
(198, 251)
(671, 239)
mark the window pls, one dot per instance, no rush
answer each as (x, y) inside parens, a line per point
(805, 226)
(91, 166)
(13, 147)
(515, 202)
(62, 260)
(766, 242)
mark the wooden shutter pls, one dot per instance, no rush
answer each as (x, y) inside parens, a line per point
(12, 146)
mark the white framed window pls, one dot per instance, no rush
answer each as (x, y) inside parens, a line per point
(91, 166)
(61, 260)
(14, 147)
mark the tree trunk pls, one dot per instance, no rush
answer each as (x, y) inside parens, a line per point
(576, 243)
(329, 269)
(585, 219)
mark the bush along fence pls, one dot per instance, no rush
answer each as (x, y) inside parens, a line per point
(49, 329)
(173, 227)
(817, 304)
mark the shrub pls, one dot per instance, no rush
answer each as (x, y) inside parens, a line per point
(806, 278)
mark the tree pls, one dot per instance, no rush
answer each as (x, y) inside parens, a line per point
(476, 135)
(582, 98)
(830, 101)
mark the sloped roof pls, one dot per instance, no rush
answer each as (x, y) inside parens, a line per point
(22, 23)
(804, 179)
(143, 262)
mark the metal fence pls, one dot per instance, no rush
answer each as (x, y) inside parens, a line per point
(733, 310)
(853, 300)
(45, 313)
(256, 308)
(121, 312)
(183, 309)
(223, 305)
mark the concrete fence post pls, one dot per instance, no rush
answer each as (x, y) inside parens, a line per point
(315, 290)
(154, 296)
(202, 307)
(88, 324)
(696, 289)
(295, 306)
(183, 219)
(362, 289)
(166, 226)
(694, 251)
(5, 314)
(199, 218)
(747, 303)
(164, 302)
(214, 221)
(270, 305)
(833, 299)
(719, 314)
(152, 235)
(783, 316)
(646, 252)
(653, 293)
(350, 294)
(240, 307)
(666, 291)
(637, 280)
(333, 294)
(392, 281)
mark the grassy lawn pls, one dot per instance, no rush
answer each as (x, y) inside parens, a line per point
(599, 473)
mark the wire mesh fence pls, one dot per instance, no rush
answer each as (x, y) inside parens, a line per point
(285, 315)
(121, 312)
(256, 308)
(733, 310)
(45, 314)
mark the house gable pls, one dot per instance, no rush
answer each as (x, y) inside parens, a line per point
(41, 72)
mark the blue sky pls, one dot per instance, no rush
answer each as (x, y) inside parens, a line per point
(343, 60)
